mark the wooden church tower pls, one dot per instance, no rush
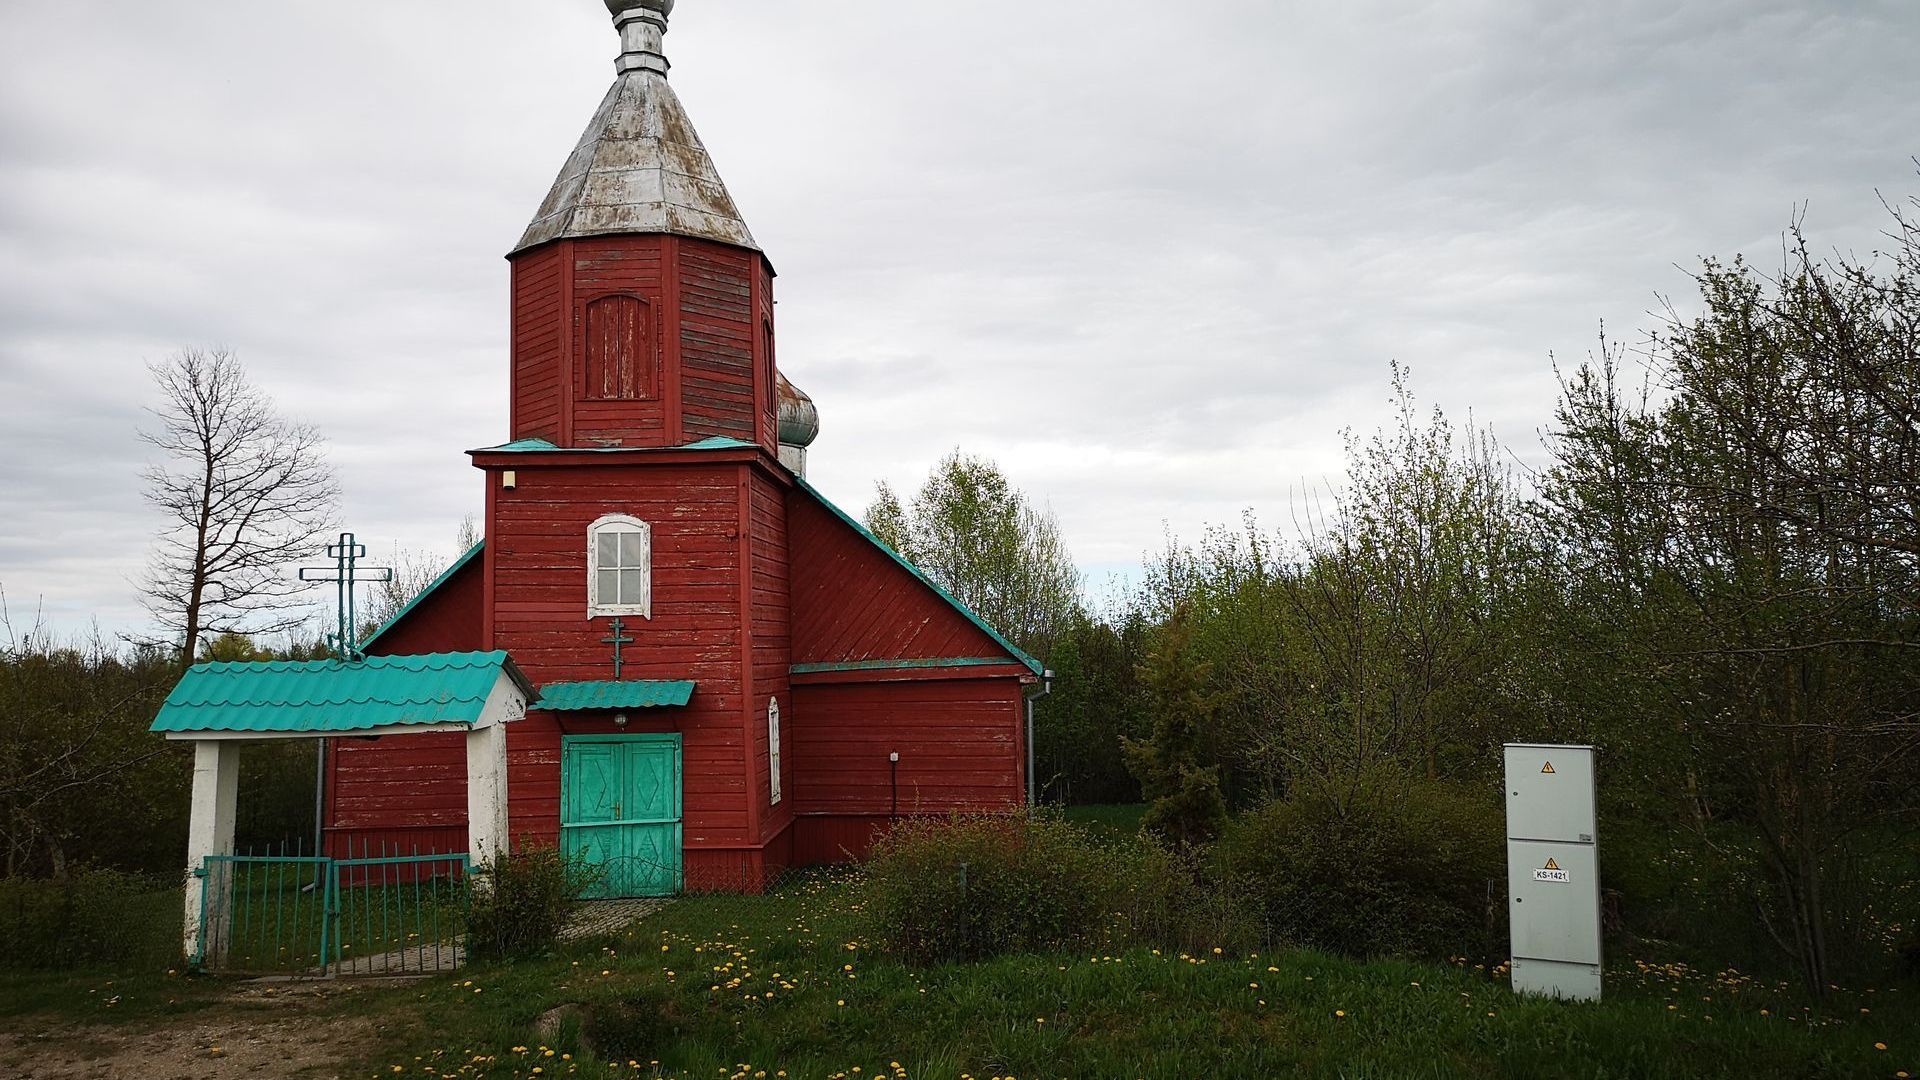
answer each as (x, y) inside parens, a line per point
(733, 675)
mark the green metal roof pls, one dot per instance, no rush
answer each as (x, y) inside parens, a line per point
(637, 694)
(471, 554)
(328, 696)
(542, 446)
(519, 446)
(1032, 665)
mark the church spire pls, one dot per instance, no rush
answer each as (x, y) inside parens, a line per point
(642, 25)
(640, 167)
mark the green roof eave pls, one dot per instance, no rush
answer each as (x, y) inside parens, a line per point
(447, 575)
(434, 691)
(1013, 650)
(629, 694)
(905, 665)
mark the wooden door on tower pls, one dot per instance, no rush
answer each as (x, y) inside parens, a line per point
(620, 811)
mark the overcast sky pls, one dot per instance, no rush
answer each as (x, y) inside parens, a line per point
(1150, 257)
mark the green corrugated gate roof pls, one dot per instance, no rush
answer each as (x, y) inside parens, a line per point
(328, 696)
(637, 694)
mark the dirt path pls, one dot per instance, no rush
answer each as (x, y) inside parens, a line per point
(259, 1031)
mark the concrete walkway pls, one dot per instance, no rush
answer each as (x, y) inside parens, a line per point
(595, 918)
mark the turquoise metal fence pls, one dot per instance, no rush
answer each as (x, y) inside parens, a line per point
(385, 914)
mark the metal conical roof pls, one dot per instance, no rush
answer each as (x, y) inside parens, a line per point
(640, 167)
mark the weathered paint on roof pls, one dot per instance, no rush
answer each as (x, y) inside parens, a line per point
(332, 697)
(636, 694)
(640, 167)
(472, 553)
(1012, 650)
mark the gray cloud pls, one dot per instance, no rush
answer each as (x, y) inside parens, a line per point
(1151, 259)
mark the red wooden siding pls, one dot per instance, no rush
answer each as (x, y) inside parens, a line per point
(717, 332)
(537, 546)
(772, 647)
(629, 267)
(450, 619)
(398, 794)
(686, 364)
(538, 324)
(853, 603)
(959, 745)
(765, 366)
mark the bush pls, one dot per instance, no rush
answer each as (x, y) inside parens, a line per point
(637, 1026)
(522, 900)
(966, 888)
(90, 918)
(1385, 864)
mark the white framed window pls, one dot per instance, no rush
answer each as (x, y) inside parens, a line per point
(620, 567)
(773, 748)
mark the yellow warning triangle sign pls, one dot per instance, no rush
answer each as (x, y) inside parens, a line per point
(1547, 768)
(1551, 865)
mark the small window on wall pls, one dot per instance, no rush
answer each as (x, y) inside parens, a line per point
(773, 748)
(616, 362)
(620, 567)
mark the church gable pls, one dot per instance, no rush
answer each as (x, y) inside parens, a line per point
(447, 616)
(858, 604)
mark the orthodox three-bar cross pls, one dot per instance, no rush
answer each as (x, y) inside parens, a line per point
(346, 573)
(617, 639)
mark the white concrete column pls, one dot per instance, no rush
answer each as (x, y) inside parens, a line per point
(216, 786)
(486, 793)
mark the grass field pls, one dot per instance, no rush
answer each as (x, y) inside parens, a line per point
(789, 986)
(786, 986)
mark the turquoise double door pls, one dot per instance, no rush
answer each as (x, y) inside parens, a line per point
(620, 811)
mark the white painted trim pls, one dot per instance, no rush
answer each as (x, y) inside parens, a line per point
(773, 749)
(628, 523)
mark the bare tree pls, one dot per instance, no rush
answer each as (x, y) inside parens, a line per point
(413, 573)
(245, 492)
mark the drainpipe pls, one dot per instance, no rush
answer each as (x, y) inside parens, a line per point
(1046, 687)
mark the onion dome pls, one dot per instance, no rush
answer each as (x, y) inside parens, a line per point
(799, 419)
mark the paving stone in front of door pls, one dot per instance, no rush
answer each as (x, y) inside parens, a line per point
(599, 917)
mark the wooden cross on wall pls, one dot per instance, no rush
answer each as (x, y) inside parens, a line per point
(617, 639)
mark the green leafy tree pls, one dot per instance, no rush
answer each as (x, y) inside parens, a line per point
(1097, 701)
(970, 530)
(1747, 525)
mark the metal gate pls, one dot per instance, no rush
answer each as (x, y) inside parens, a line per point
(311, 915)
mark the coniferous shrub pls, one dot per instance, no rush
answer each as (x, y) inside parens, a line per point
(522, 901)
(1382, 863)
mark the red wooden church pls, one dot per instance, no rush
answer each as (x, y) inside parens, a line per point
(733, 676)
